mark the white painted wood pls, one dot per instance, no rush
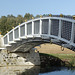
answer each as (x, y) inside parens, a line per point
(19, 31)
(49, 31)
(60, 27)
(72, 33)
(40, 26)
(32, 27)
(25, 29)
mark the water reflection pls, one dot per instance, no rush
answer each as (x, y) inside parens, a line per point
(58, 71)
(30, 70)
(19, 70)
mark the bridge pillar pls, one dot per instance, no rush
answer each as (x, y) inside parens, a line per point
(1, 42)
(19, 58)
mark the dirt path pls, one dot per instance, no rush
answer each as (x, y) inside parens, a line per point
(53, 49)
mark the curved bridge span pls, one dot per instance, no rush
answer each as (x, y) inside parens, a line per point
(58, 30)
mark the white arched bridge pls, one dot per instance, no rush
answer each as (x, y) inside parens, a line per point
(55, 29)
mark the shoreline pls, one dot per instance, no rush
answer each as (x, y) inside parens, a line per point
(56, 60)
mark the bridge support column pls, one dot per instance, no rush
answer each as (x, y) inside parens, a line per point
(19, 58)
(1, 42)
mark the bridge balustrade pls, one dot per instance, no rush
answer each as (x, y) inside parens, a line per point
(55, 27)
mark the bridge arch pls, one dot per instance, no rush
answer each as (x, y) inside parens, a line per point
(59, 30)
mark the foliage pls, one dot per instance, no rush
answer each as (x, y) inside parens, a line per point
(9, 21)
(28, 16)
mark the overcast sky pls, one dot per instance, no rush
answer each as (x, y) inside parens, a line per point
(16, 7)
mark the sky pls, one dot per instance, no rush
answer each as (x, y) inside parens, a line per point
(21, 7)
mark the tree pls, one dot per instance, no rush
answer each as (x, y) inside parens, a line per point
(3, 26)
(19, 19)
(37, 16)
(28, 16)
(6, 23)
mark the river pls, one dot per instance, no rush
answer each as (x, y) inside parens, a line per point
(30, 70)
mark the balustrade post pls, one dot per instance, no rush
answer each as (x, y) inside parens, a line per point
(49, 31)
(40, 26)
(32, 28)
(72, 33)
(60, 27)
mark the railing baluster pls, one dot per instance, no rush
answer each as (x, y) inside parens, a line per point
(32, 28)
(19, 31)
(25, 29)
(8, 37)
(49, 31)
(72, 33)
(13, 35)
(40, 26)
(60, 27)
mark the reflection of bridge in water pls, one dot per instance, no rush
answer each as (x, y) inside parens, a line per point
(56, 29)
(19, 70)
(30, 70)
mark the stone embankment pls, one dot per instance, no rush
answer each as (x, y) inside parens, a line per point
(19, 58)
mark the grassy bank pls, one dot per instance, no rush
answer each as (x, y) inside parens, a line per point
(54, 51)
(58, 59)
(67, 58)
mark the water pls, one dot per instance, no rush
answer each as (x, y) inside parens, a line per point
(60, 71)
(30, 70)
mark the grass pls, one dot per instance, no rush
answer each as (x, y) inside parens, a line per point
(68, 58)
(64, 56)
(55, 50)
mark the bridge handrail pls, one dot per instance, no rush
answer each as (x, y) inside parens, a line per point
(40, 30)
(35, 19)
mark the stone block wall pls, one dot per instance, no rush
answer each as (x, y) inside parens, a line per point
(19, 58)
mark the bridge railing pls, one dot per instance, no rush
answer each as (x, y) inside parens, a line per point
(56, 27)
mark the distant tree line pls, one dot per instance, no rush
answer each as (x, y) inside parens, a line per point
(9, 21)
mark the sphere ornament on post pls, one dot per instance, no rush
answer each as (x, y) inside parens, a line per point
(25, 20)
(7, 31)
(19, 23)
(50, 15)
(0, 32)
(61, 15)
(2, 35)
(74, 17)
(32, 17)
(12, 27)
(40, 16)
